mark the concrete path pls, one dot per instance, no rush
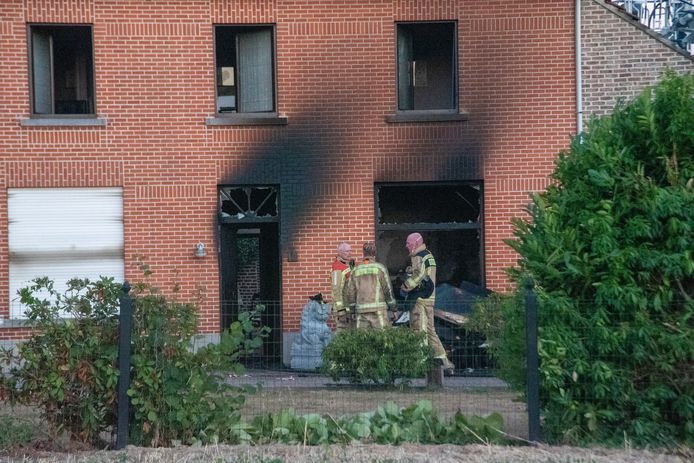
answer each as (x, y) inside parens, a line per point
(304, 379)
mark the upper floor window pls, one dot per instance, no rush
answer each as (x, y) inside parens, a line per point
(245, 69)
(426, 66)
(62, 69)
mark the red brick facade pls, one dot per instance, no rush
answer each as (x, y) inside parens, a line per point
(335, 67)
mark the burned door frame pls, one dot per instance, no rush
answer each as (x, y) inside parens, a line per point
(425, 227)
(251, 207)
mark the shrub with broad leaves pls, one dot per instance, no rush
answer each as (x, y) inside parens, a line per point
(68, 367)
(610, 246)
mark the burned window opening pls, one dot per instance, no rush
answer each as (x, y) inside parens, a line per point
(449, 217)
(442, 204)
(456, 253)
(248, 203)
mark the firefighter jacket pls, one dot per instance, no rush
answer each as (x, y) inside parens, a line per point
(423, 266)
(369, 288)
(339, 276)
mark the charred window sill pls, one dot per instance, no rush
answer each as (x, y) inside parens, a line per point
(248, 119)
(63, 122)
(426, 116)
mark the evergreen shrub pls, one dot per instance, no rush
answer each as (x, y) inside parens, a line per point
(377, 356)
(610, 247)
(501, 318)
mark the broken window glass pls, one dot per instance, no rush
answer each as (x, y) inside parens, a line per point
(245, 203)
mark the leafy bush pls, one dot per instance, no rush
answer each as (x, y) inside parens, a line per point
(501, 319)
(175, 394)
(389, 424)
(68, 366)
(609, 245)
(377, 356)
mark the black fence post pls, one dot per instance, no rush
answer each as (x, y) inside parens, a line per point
(533, 379)
(125, 332)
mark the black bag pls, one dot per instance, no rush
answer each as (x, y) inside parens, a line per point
(424, 289)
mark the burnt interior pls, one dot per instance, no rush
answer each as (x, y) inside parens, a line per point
(249, 262)
(449, 218)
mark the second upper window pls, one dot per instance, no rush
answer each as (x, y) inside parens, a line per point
(245, 70)
(426, 66)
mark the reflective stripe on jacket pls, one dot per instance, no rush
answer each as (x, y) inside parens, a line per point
(423, 265)
(339, 276)
(369, 288)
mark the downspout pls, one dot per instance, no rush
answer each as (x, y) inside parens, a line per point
(579, 70)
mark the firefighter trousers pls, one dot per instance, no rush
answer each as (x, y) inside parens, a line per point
(376, 319)
(422, 319)
(344, 320)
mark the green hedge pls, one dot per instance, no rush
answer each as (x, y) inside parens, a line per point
(610, 246)
(377, 356)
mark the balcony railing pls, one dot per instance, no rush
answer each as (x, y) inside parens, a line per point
(673, 19)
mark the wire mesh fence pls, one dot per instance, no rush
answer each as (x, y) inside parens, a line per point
(606, 369)
(472, 388)
(263, 313)
(617, 368)
(466, 349)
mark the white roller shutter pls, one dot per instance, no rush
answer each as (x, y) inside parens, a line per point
(63, 233)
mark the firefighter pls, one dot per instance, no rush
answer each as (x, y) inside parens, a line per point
(370, 292)
(339, 275)
(421, 285)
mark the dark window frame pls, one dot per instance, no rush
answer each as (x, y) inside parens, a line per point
(51, 30)
(248, 117)
(432, 227)
(442, 113)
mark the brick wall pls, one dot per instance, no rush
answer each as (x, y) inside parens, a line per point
(248, 282)
(520, 70)
(154, 69)
(621, 57)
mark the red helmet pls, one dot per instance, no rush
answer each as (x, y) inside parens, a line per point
(413, 241)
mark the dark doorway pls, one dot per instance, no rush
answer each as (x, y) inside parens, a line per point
(250, 264)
